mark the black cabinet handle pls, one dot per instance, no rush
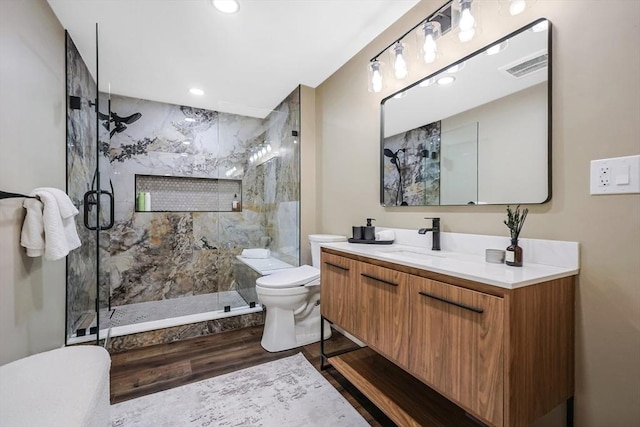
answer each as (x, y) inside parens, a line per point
(379, 279)
(337, 266)
(457, 304)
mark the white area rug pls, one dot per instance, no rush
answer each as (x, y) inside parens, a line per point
(288, 392)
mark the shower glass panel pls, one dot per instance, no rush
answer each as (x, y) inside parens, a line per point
(82, 179)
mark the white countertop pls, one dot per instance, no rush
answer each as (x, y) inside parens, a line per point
(463, 265)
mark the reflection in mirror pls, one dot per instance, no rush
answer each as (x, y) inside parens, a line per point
(476, 132)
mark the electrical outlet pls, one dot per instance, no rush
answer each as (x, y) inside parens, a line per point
(603, 176)
(619, 175)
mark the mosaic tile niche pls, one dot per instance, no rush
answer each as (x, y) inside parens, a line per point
(161, 255)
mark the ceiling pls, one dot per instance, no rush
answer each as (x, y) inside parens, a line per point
(246, 63)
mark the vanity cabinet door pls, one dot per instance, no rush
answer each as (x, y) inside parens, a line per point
(382, 306)
(456, 345)
(337, 294)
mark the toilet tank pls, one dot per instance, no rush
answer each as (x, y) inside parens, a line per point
(316, 239)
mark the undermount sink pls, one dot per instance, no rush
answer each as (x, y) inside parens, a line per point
(414, 254)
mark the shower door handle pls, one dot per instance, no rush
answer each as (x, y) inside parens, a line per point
(111, 211)
(91, 200)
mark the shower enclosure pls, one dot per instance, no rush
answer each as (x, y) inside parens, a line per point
(169, 196)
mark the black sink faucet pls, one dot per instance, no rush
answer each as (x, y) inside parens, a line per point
(435, 229)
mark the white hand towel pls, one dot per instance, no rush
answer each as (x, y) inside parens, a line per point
(256, 253)
(385, 235)
(64, 202)
(67, 212)
(32, 234)
(60, 235)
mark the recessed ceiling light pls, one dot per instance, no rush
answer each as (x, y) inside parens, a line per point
(196, 91)
(455, 68)
(427, 82)
(446, 80)
(541, 26)
(497, 48)
(226, 6)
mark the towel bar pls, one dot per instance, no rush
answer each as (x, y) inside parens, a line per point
(6, 195)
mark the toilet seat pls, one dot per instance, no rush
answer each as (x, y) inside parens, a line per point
(305, 275)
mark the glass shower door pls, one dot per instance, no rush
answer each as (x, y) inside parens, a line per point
(85, 162)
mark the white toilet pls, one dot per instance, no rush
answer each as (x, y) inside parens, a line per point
(292, 300)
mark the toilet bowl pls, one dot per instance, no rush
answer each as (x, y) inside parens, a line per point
(292, 301)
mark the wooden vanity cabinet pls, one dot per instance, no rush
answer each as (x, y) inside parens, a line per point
(337, 292)
(505, 356)
(368, 302)
(456, 345)
(381, 298)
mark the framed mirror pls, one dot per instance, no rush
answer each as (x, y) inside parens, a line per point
(476, 132)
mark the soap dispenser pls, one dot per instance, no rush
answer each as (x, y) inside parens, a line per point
(369, 230)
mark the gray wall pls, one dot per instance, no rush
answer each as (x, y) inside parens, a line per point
(32, 154)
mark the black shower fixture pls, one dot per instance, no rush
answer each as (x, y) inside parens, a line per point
(119, 123)
(75, 102)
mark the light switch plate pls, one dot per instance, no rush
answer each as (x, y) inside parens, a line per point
(618, 175)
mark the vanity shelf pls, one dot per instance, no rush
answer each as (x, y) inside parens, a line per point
(396, 392)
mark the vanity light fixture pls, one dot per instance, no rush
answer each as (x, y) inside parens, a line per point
(459, 14)
(445, 80)
(397, 52)
(427, 34)
(226, 6)
(196, 91)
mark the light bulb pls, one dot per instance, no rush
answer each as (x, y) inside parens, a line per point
(429, 48)
(264, 151)
(400, 65)
(517, 7)
(467, 21)
(376, 78)
(465, 36)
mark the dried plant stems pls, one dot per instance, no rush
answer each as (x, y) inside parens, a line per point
(515, 220)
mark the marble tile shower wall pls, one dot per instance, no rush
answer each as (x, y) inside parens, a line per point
(81, 164)
(160, 255)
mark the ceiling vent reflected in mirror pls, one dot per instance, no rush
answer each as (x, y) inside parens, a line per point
(528, 65)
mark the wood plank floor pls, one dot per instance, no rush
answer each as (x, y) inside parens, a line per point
(147, 370)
